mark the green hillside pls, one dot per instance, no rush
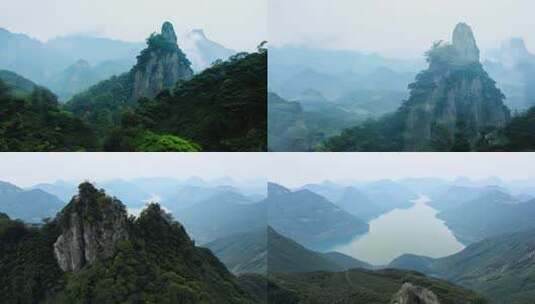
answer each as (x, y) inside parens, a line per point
(501, 268)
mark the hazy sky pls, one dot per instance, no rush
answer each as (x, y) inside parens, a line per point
(393, 27)
(290, 169)
(238, 24)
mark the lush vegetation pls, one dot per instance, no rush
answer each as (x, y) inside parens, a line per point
(500, 268)
(158, 263)
(353, 286)
(221, 109)
(35, 122)
(383, 134)
(19, 85)
(460, 133)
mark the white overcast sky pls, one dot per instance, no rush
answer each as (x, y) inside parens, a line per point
(238, 24)
(290, 169)
(397, 27)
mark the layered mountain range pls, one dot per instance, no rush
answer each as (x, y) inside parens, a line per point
(452, 105)
(70, 64)
(158, 105)
(93, 252)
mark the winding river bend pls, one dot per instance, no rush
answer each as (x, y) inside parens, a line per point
(416, 230)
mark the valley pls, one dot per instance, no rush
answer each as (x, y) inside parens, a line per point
(281, 244)
(415, 230)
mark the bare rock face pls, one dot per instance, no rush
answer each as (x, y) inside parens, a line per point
(92, 224)
(410, 294)
(465, 43)
(454, 91)
(168, 32)
(160, 65)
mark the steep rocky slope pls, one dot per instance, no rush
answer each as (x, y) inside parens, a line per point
(159, 66)
(453, 105)
(453, 98)
(93, 253)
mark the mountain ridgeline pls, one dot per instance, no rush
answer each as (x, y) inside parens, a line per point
(500, 268)
(159, 105)
(158, 67)
(454, 105)
(92, 252)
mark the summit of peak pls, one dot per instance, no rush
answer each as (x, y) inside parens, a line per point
(464, 42)
(168, 32)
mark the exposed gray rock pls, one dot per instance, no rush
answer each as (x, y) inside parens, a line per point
(453, 91)
(160, 66)
(410, 294)
(465, 43)
(92, 224)
(168, 32)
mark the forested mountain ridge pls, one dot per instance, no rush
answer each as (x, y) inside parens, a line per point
(500, 268)
(159, 66)
(264, 251)
(36, 122)
(454, 105)
(222, 108)
(357, 286)
(119, 259)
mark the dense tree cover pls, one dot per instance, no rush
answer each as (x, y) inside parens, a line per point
(383, 134)
(352, 286)
(221, 109)
(158, 263)
(19, 85)
(389, 132)
(35, 122)
(519, 133)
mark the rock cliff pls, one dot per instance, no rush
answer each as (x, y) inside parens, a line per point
(453, 99)
(464, 42)
(410, 294)
(160, 65)
(92, 224)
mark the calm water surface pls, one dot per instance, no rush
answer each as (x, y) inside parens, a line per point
(415, 230)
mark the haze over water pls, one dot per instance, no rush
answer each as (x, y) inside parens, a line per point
(416, 230)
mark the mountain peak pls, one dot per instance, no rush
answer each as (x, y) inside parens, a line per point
(168, 32)
(91, 224)
(465, 43)
(276, 189)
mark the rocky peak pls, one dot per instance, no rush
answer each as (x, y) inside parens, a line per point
(91, 225)
(465, 43)
(410, 294)
(168, 32)
(276, 189)
(160, 65)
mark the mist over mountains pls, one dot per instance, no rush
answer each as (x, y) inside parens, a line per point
(70, 64)
(332, 100)
(265, 233)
